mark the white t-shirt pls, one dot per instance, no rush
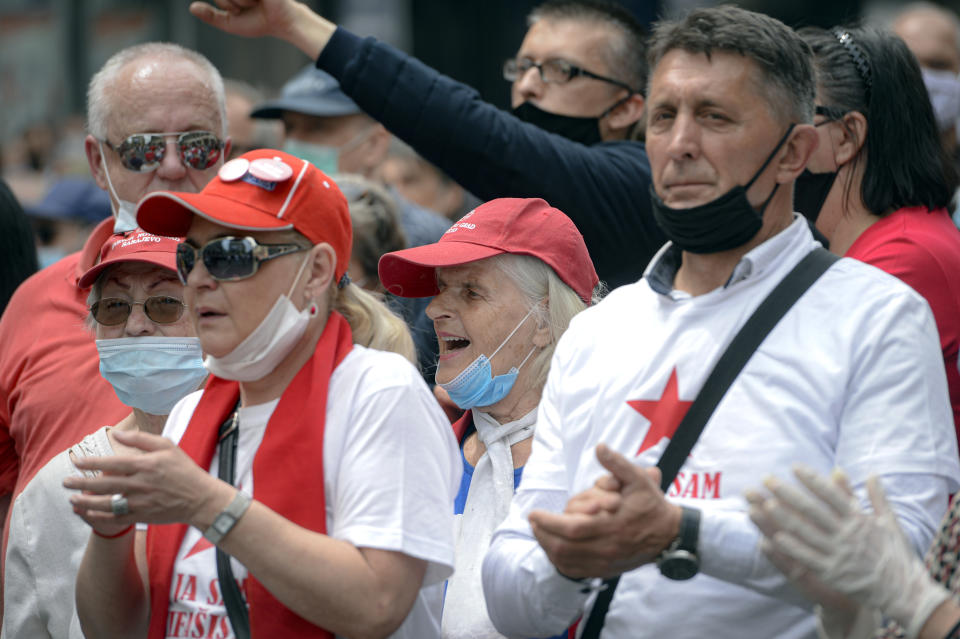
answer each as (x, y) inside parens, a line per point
(45, 545)
(851, 377)
(391, 470)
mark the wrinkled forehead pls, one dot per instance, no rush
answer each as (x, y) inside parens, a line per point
(151, 95)
(129, 274)
(716, 76)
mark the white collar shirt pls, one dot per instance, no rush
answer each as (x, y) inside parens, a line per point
(851, 377)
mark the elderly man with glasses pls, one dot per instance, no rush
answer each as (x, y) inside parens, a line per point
(156, 121)
(577, 98)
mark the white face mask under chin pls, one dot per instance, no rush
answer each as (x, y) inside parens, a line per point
(263, 349)
(125, 217)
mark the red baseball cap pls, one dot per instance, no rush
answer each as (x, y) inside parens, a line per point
(262, 190)
(135, 246)
(523, 226)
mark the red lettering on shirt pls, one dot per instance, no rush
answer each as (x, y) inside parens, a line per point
(215, 599)
(696, 485)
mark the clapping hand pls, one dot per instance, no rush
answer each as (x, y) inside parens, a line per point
(819, 536)
(622, 522)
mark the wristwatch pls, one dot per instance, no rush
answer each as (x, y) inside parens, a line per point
(679, 560)
(228, 518)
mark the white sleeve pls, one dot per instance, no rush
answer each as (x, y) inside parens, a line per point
(21, 598)
(895, 415)
(525, 595)
(397, 471)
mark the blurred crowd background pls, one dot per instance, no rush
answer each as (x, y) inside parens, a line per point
(50, 48)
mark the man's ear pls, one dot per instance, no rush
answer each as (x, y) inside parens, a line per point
(95, 160)
(627, 113)
(798, 149)
(377, 146)
(849, 136)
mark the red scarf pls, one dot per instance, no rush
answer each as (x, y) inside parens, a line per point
(288, 482)
(462, 425)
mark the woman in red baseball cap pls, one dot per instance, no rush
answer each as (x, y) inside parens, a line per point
(507, 279)
(310, 492)
(150, 355)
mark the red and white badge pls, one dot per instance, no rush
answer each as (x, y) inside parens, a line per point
(271, 170)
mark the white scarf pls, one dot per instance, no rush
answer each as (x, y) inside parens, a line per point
(488, 501)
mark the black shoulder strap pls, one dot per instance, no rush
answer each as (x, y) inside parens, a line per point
(232, 597)
(734, 358)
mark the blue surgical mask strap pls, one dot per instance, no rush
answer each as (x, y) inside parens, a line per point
(507, 338)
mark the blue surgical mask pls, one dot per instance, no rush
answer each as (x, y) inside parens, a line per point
(323, 156)
(152, 373)
(476, 385)
(47, 255)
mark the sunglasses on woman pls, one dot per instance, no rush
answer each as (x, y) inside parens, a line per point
(143, 152)
(230, 258)
(160, 309)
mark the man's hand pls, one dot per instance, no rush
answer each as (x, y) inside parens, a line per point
(622, 522)
(287, 20)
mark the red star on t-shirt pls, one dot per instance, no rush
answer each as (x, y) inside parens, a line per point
(664, 414)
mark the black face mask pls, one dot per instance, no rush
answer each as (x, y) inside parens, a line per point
(582, 130)
(722, 224)
(810, 192)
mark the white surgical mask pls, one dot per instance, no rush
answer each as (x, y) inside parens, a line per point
(256, 356)
(152, 373)
(125, 216)
(944, 90)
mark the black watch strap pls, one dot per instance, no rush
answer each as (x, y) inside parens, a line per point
(689, 531)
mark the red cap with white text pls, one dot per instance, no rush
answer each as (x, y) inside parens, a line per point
(135, 246)
(522, 226)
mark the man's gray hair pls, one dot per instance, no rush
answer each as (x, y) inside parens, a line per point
(554, 302)
(784, 59)
(98, 102)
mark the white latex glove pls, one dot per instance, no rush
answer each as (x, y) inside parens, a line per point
(838, 616)
(863, 555)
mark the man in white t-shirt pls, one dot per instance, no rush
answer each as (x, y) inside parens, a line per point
(850, 377)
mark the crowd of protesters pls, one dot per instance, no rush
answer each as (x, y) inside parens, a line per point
(667, 350)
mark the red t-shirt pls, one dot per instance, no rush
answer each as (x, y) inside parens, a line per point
(922, 248)
(51, 391)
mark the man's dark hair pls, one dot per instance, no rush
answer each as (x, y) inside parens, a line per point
(782, 56)
(875, 74)
(626, 55)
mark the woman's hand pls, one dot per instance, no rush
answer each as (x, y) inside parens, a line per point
(161, 485)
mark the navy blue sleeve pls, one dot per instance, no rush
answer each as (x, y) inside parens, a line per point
(603, 188)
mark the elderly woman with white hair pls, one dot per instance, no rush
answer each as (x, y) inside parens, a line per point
(507, 279)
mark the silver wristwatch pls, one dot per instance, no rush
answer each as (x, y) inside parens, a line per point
(228, 518)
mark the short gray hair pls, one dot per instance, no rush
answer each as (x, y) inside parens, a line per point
(783, 58)
(99, 108)
(624, 55)
(538, 282)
